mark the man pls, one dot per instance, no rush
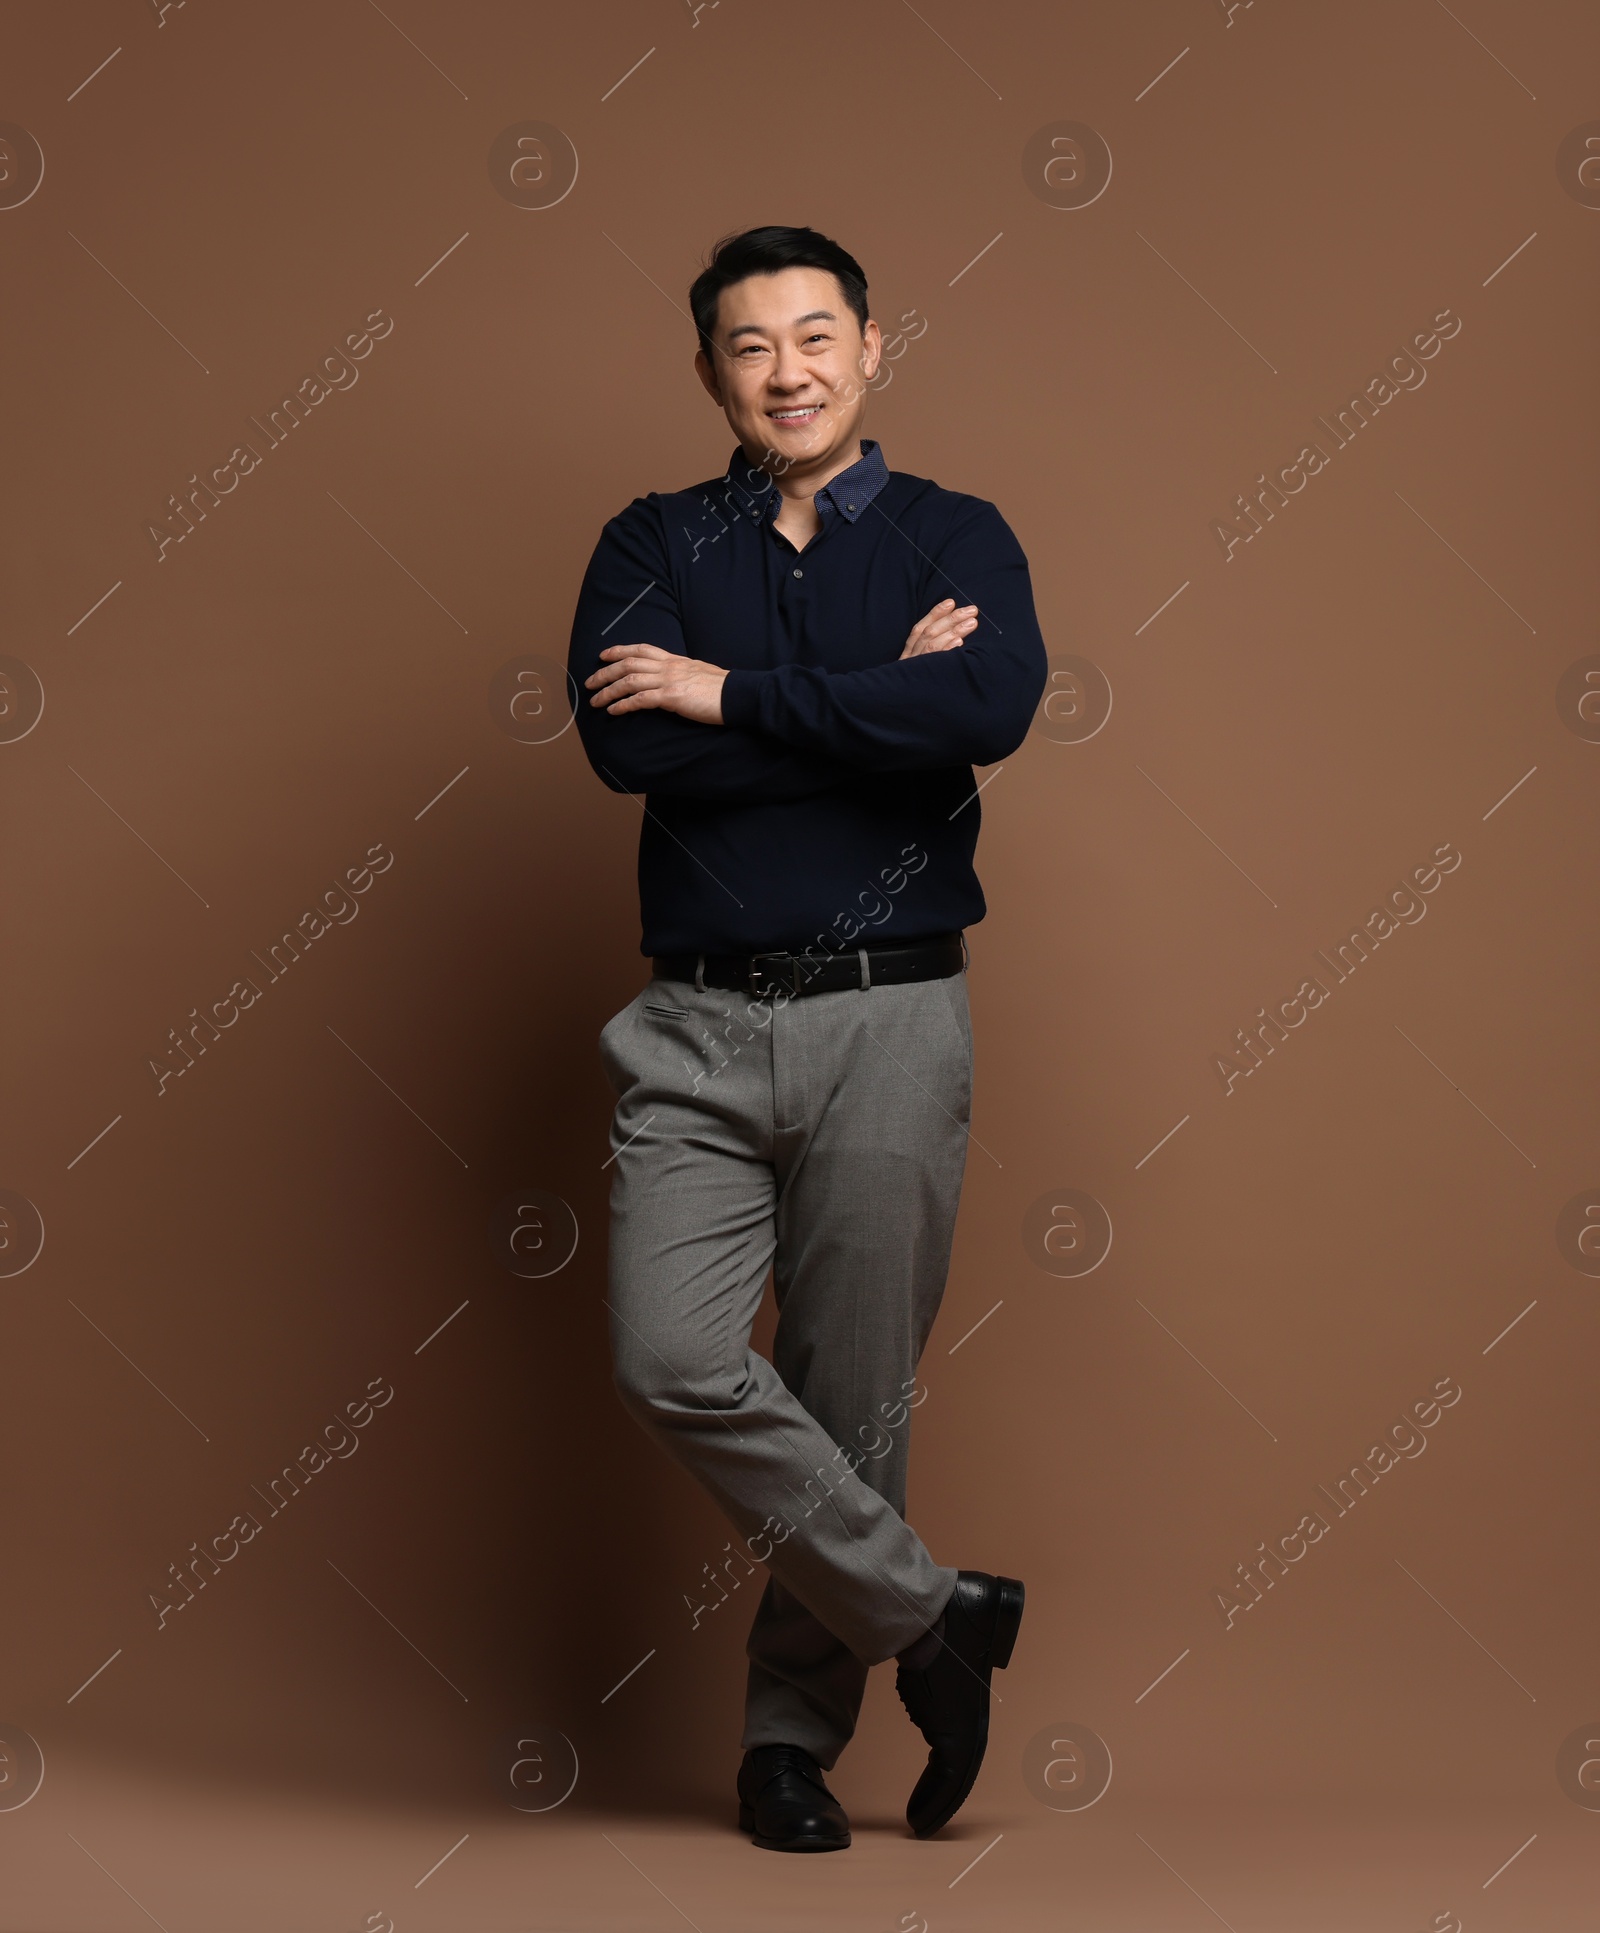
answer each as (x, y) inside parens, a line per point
(794, 1084)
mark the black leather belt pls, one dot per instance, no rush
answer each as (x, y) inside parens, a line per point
(888, 963)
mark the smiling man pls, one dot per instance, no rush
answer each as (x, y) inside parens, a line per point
(798, 664)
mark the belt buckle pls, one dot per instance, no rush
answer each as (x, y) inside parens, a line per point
(758, 972)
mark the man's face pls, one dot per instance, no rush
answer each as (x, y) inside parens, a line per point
(791, 367)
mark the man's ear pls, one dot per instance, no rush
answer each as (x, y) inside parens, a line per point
(708, 376)
(871, 349)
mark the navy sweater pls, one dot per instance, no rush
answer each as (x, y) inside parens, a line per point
(835, 805)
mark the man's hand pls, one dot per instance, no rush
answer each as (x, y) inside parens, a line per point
(643, 677)
(943, 629)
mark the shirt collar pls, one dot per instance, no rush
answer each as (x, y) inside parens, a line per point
(852, 490)
(848, 493)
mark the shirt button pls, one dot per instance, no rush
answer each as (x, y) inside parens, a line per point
(849, 506)
(799, 572)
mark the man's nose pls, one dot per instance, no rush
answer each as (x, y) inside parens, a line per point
(789, 370)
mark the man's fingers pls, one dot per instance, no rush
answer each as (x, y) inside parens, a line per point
(644, 677)
(952, 629)
(624, 700)
(615, 682)
(941, 616)
(608, 675)
(923, 622)
(624, 658)
(627, 689)
(618, 657)
(942, 629)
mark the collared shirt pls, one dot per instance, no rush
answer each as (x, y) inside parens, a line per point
(846, 495)
(836, 803)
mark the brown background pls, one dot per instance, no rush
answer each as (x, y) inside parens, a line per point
(240, 1254)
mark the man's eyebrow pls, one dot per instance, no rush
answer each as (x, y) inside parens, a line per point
(756, 329)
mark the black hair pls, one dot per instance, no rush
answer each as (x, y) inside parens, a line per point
(764, 251)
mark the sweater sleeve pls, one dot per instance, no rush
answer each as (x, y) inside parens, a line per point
(627, 598)
(967, 706)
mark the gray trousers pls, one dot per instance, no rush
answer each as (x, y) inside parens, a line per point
(824, 1137)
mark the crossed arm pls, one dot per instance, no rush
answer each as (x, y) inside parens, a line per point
(791, 731)
(643, 677)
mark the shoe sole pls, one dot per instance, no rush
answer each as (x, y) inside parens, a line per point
(1010, 1596)
(747, 1823)
(799, 1845)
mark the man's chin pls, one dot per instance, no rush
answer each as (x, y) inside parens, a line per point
(813, 442)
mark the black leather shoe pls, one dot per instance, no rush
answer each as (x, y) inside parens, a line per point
(785, 1804)
(948, 1701)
